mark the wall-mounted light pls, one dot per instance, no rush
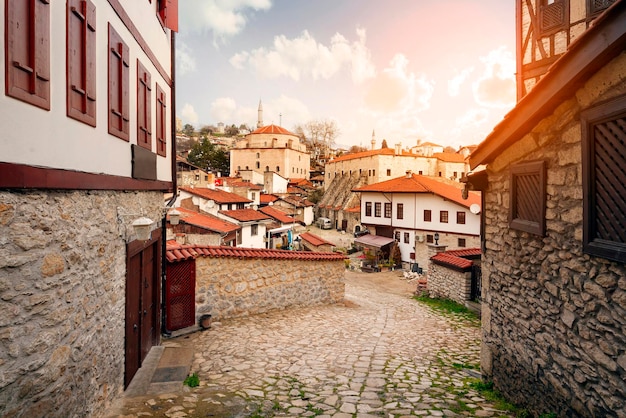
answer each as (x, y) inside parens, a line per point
(174, 217)
(142, 226)
(436, 238)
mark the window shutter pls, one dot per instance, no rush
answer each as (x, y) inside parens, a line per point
(27, 52)
(144, 94)
(527, 209)
(604, 177)
(81, 61)
(118, 86)
(161, 119)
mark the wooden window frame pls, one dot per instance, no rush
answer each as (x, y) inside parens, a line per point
(81, 61)
(377, 209)
(430, 238)
(460, 217)
(400, 210)
(407, 238)
(368, 208)
(546, 16)
(534, 223)
(144, 108)
(27, 52)
(388, 210)
(461, 242)
(118, 86)
(428, 215)
(161, 121)
(599, 240)
(443, 216)
(592, 10)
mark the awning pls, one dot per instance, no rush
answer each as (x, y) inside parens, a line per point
(374, 240)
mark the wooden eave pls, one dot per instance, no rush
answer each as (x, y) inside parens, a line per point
(603, 41)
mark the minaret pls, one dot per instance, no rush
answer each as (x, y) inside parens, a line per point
(259, 123)
(373, 139)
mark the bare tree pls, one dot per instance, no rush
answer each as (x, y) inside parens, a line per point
(318, 135)
(356, 149)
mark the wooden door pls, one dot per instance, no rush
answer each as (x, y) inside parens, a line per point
(142, 330)
(180, 295)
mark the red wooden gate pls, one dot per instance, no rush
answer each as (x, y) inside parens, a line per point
(180, 295)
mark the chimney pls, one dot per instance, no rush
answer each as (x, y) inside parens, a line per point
(398, 148)
(409, 174)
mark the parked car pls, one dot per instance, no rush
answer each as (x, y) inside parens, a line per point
(324, 223)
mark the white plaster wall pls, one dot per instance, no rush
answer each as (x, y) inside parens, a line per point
(57, 141)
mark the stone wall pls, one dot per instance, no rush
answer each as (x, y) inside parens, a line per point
(234, 287)
(554, 318)
(448, 283)
(62, 296)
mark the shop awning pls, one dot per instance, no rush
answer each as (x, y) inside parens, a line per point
(374, 241)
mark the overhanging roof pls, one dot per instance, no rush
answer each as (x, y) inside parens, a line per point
(374, 240)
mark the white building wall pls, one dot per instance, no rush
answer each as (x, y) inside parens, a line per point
(75, 145)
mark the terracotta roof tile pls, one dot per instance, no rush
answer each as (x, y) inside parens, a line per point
(370, 153)
(449, 157)
(466, 252)
(356, 209)
(451, 260)
(245, 215)
(267, 198)
(245, 184)
(277, 214)
(421, 184)
(219, 196)
(272, 129)
(178, 252)
(206, 221)
(314, 239)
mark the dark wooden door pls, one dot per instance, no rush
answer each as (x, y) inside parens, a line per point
(133, 306)
(143, 271)
(180, 295)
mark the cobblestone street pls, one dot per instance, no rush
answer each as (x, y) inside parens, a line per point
(380, 354)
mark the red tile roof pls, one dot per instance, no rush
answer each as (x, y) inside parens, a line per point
(370, 153)
(314, 239)
(245, 215)
(356, 209)
(219, 196)
(449, 157)
(466, 252)
(452, 260)
(267, 198)
(297, 201)
(177, 252)
(272, 129)
(246, 184)
(210, 222)
(277, 214)
(421, 184)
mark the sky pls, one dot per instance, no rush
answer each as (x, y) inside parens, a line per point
(406, 70)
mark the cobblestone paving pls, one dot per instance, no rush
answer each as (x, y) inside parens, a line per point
(381, 354)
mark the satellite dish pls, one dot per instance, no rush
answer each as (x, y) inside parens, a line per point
(475, 208)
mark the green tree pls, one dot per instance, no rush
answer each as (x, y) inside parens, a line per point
(384, 144)
(207, 156)
(188, 130)
(316, 195)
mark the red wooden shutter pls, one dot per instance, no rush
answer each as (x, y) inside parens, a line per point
(119, 78)
(144, 95)
(161, 119)
(167, 11)
(27, 52)
(81, 61)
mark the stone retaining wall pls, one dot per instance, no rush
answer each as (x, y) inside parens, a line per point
(234, 287)
(448, 283)
(62, 296)
(554, 318)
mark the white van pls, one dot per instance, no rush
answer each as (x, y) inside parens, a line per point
(324, 223)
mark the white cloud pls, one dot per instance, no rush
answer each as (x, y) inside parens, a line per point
(305, 57)
(188, 114)
(496, 87)
(454, 84)
(223, 109)
(225, 18)
(398, 90)
(185, 61)
(285, 111)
